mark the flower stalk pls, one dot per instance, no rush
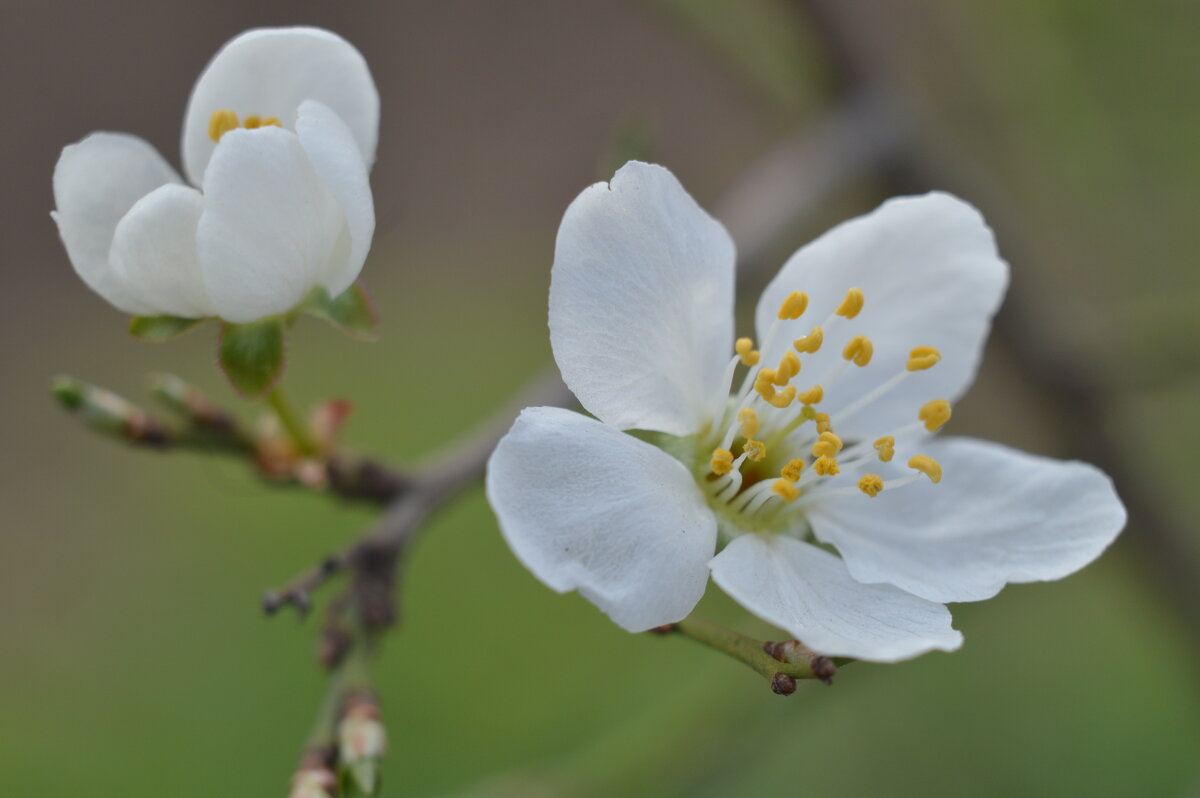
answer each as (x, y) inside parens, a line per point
(297, 430)
(757, 655)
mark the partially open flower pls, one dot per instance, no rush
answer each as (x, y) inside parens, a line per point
(827, 439)
(278, 140)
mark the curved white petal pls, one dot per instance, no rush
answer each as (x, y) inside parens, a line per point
(154, 252)
(930, 275)
(335, 157)
(96, 181)
(270, 228)
(997, 516)
(641, 302)
(588, 508)
(269, 72)
(808, 592)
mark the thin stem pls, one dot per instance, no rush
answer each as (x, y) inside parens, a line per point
(324, 729)
(751, 652)
(295, 426)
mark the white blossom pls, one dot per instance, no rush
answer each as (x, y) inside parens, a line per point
(866, 338)
(278, 139)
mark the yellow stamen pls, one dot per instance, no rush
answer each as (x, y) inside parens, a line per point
(790, 362)
(823, 423)
(764, 384)
(794, 306)
(785, 490)
(934, 414)
(812, 396)
(852, 304)
(722, 462)
(859, 350)
(748, 422)
(220, 123)
(791, 471)
(784, 397)
(927, 466)
(886, 446)
(755, 451)
(923, 357)
(870, 484)
(810, 343)
(827, 445)
(746, 351)
(826, 466)
(224, 120)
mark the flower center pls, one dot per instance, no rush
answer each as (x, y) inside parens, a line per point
(222, 121)
(773, 452)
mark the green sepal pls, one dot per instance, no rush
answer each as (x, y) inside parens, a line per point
(251, 355)
(351, 311)
(361, 776)
(160, 328)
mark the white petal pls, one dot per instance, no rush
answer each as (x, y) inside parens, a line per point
(96, 181)
(930, 275)
(807, 591)
(270, 228)
(641, 302)
(997, 516)
(335, 157)
(269, 72)
(588, 508)
(154, 251)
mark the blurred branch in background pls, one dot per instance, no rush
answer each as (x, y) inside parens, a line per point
(1079, 385)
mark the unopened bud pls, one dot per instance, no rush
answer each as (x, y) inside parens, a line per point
(782, 684)
(361, 742)
(313, 783)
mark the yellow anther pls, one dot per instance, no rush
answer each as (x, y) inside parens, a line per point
(810, 343)
(827, 445)
(934, 414)
(791, 471)
(722, 462)
(870, 484)
(852, 304)
(789, 364)
(794, 306)
(764, 384)
(886, 446)
(746, 351)
(823, 423)
(927, 466)
(859, 350)
(923, 357)
(826, 466)
(784, 398)
(220, 123)
(748, 422)
(786, 490)
(812, 396)
(223, 121)
(755, 451)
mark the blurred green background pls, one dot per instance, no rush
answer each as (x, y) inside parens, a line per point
(135, 660)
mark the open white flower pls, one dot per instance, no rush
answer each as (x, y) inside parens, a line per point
(867, 335)
(278, 140)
